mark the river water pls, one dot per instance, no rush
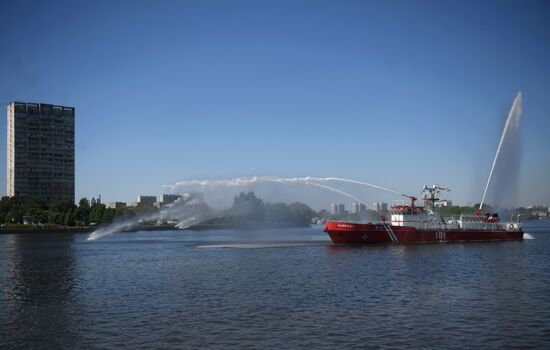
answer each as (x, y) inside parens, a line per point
(271, 289)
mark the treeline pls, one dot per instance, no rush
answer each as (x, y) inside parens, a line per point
(462, 210)
(249, 210)
(531, 213)
(35, 211)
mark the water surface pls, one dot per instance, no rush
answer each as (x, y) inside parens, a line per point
(268, 289)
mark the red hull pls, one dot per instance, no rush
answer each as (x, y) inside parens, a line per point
(347, 232)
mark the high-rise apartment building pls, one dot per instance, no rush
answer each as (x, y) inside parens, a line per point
(358, 208)
(380, 207)
(146, 201)
(166, 199)
(40, 150)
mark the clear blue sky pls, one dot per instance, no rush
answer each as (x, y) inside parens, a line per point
(399, 93)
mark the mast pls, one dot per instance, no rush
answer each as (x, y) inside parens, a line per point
(431, 194)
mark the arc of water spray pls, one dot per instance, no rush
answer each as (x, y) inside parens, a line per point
(338, 179)
(241, 181)
(516, 107)
(244, 181)
(130, 223)
(306, 182)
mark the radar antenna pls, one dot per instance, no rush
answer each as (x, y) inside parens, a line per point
(431, 193)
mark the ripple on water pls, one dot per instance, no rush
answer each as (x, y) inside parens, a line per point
(65, 292)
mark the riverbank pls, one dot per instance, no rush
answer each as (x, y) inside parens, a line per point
(47, 230)
(199, 227)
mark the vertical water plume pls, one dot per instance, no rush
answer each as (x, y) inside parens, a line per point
(507, 164)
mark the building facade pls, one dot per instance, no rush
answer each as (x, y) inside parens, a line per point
(117, 205)
(40, 150)
(166, 199)
(333, 209)
(380, 207)
(443, 203)
(341, 209)
(358, 208)
(146, 201)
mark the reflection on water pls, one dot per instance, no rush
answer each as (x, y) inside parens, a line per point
(271, 289)
(38, 296)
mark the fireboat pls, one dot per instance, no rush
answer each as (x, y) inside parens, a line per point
(412, 223)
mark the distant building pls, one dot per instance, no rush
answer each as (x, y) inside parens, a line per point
(40, 150)
(334, 209)
(358, 208)
(132, 204)
(166, 199)
(337, 209)
(443, 203)
(117, 205)
(146, 201)
(380, 206)
(341, 209)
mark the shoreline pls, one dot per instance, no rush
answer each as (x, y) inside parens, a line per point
(47, 230)
(199, 227)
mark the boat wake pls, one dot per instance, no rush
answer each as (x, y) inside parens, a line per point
(528, 236)
(261, 245)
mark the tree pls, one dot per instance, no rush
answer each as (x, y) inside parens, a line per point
(62, 204)
(301, 213)
(70, 217)
(278, 213)
(82, 213)
(11, 206)
(36, 208)
(96, 213)
(108, 216)
(54, 217)
(248, 207)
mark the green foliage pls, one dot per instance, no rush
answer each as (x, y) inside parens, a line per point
(248, 209)
(301, 213)
(277, 213)
(97, 211)
(60, 212)
(62, 204)
(11, 210)
(527, 214)
(82, 214)
(457, 210)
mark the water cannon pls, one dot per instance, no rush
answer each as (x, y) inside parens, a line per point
(412, 198)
